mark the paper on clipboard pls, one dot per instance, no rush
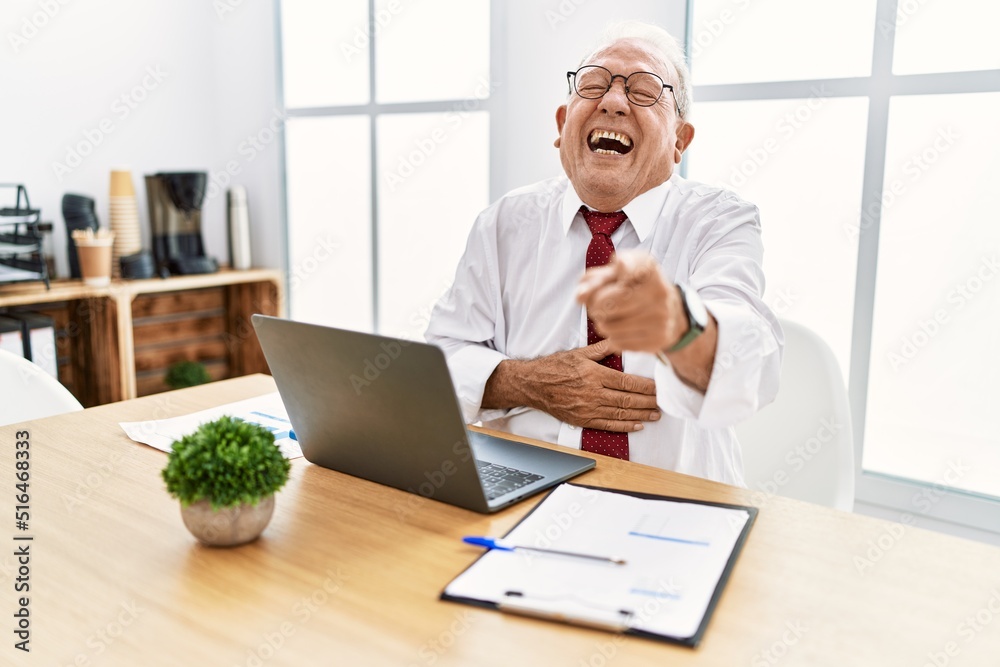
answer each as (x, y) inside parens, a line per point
(676, 554)
(266, 410)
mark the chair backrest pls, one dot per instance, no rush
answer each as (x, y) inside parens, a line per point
(801, 446)
(28, 392)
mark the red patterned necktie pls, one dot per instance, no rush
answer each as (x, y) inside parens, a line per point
(599, 253)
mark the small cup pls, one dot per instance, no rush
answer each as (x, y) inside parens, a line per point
(95, 260)
(121, 183)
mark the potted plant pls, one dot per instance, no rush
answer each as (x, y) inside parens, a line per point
(225, 474)
(187, 374)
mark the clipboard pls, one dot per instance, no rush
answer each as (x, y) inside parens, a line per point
(503, 595)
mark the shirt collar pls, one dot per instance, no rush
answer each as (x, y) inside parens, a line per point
(641, 211)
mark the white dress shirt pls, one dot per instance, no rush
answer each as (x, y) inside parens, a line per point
(514, 297)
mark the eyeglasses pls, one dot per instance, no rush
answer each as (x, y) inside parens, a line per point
(642, 89)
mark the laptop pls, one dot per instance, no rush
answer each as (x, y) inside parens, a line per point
(385, 409)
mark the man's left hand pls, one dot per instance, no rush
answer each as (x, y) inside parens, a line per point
(632, 305)
(635, 308)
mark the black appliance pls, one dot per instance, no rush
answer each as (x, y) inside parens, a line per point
(175, 200)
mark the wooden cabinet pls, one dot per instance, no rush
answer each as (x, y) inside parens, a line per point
(117, 342)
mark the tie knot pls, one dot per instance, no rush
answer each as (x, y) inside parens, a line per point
(602, 223)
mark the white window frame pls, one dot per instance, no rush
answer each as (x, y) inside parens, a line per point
(894, 493)
(372, 109)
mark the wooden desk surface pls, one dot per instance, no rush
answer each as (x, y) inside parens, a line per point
(349, 572)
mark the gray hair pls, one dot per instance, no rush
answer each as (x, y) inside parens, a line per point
(662, 45)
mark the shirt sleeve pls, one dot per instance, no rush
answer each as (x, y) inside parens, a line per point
(726, 270)
(467, 322)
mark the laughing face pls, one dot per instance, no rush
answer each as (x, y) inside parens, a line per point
(613, 150)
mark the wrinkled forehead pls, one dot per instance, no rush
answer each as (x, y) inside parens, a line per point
(630, 55)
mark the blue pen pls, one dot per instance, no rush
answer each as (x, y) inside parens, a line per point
(491, 543)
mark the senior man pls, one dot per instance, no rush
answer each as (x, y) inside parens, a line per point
(700, 351)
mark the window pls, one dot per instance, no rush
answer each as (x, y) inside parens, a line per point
(386, 155)
(871, 154)
(931, 412)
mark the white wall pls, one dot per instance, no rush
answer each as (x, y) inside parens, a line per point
(219, 89)
(543, 41)
(66, 73)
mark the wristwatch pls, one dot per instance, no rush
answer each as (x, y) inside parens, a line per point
(697, 316)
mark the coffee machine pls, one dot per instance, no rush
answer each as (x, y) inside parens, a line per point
(175, 200)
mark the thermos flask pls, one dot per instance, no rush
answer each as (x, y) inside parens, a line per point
(239, 228)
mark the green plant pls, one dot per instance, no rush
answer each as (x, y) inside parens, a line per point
(227, 462)
(187, 374)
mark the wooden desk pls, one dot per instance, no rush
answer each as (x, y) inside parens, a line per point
(349, 572)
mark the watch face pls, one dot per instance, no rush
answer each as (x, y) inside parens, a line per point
(695, 306)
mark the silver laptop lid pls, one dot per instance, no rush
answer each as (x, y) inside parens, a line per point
(375, 407)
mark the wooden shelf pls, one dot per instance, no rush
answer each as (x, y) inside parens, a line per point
(116, 342)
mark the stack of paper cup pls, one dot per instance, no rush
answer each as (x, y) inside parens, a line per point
(124, 219)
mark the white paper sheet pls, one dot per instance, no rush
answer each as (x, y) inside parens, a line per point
(675, 554)
(266, 410)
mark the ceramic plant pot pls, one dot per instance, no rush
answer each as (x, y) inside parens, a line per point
(228, 526)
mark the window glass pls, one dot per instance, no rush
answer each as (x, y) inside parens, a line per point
(953, 36)
(432, 50)
(328, 168)
(433, 182)
(801, 162)
(324, 52)
(932, 389)
(739, 41)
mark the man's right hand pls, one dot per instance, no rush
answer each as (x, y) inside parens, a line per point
(572, 387)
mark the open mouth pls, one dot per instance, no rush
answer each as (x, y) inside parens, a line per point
(609, 143)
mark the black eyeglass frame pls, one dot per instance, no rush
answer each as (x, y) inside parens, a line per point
(571, 81)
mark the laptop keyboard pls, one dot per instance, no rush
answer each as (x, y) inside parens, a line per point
(498, 479)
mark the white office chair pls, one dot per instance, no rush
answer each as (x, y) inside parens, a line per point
(28, 392)
(801, 446)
